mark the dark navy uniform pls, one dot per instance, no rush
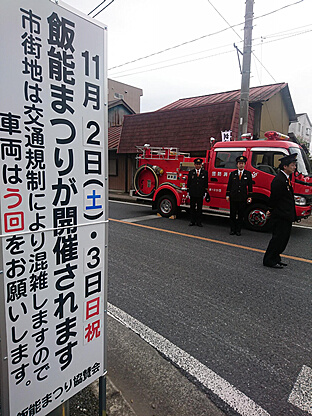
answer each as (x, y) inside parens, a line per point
(238, 190)
(197, 186)
(283, 214)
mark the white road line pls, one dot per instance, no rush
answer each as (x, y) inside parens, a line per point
(301, 394)
(228, 393)
(307, 227)
(143, 218)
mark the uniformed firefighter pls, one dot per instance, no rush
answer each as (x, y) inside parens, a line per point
(282, 212)
(197, 186)
(239, 193)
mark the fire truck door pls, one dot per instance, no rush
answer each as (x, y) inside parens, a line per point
(265, 163)
(222, 163)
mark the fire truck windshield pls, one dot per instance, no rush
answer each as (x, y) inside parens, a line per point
(303, 164)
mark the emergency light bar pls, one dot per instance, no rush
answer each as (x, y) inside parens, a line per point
(275, 135)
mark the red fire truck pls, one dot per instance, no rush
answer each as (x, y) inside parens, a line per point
(162, 176)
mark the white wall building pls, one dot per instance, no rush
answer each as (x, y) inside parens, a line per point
(302, 129)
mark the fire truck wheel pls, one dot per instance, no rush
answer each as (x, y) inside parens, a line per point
(167, 205)
(255, 217)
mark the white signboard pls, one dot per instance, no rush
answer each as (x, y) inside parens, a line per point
(226, 135)
(53, 201)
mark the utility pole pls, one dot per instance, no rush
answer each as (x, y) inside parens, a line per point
(244, 95)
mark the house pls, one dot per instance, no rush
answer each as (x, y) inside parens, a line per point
(129, 94)
(302, 129)
(117, 109)
(189, 123)
(272, 105)
(123, 99)
(187, 128)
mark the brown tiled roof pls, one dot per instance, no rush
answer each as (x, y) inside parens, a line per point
(188, 129)
(114, 137)
(256, 94)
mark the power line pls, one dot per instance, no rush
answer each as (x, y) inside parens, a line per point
(263, 66)
(199, 38)
(241, 39)
(225, 20)
(101, 9)
(173, 59)
(286, 32)
(174, 47)
(277, 10)
(96, 7)
(104, 8)
(266, 14)
(286, 36)
(168, 66)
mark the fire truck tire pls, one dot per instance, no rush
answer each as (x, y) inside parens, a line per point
(167, 205)
(255, 217)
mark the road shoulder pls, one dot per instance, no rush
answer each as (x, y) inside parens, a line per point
(149, 382)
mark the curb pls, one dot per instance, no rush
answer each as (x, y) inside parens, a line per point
(86, 402)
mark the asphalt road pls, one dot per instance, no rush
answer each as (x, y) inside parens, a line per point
(209, 295)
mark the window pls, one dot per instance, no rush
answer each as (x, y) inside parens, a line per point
(112, 165)
(226, 159)
(266, 161)
(303, 164)
(119, 96)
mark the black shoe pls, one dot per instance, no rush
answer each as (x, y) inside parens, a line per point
(199, 224)
(232, 232)
(282, 264)
(238, 233)
(191, 224)
(277, 266)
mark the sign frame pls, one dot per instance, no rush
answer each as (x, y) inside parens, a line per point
(87, 147)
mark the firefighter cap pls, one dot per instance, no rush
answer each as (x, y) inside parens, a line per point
(241, 159)
(198, 161)
(286, 160)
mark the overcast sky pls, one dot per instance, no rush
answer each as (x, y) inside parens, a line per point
(282, 39)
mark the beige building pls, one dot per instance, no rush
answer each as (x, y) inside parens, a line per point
(130, 95)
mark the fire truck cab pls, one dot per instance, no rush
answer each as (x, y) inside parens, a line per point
(162, 176)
